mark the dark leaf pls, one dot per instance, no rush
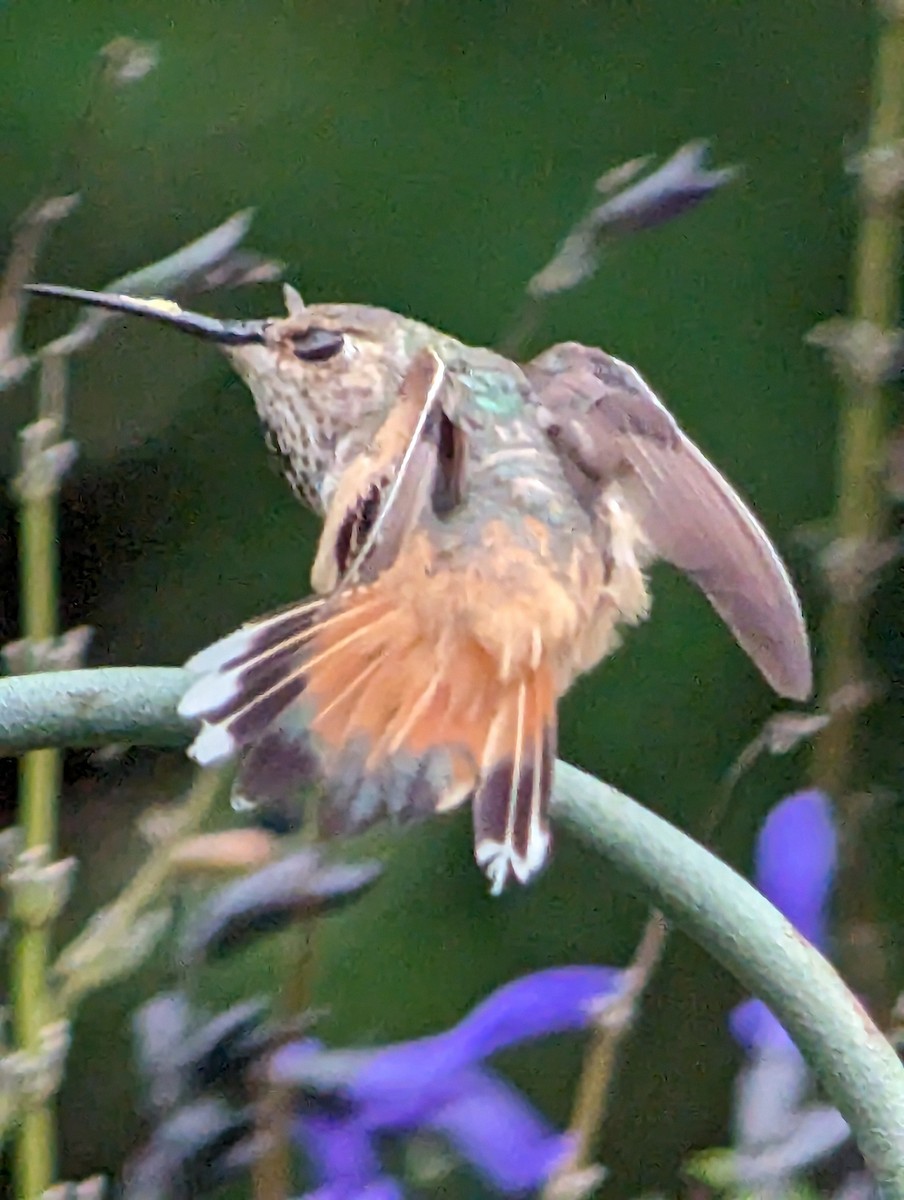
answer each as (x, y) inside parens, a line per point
(196, 1150)
(895, 467)
(295, 889)
(221, 1051)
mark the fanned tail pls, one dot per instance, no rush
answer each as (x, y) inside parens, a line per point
(351, 694)
(511, 831)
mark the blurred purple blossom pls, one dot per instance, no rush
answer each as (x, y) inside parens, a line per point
(675, 187)
(779, 1132)
(796, 856)
(352, 1102)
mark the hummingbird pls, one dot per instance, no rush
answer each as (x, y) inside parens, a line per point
(487, 531)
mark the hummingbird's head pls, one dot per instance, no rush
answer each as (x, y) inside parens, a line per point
(322, 376)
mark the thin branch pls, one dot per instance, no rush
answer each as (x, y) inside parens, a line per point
(28, 238)
(601, 1060)
(852, 1059)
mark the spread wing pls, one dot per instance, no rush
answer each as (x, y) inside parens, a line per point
(609, 425)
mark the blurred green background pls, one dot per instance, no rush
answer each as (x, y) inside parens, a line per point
(427, 157)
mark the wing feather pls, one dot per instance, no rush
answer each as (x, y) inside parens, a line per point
(609, 424)
(385, 493)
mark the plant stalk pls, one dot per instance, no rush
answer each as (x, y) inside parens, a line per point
(39, 781)
(862, 507)
(861, 515)
(594, 1088)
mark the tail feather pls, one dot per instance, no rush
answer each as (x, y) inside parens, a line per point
(255, 638)
(511, 830)
(351, 695)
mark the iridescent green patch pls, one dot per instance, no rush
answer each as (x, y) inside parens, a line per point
(495, 392)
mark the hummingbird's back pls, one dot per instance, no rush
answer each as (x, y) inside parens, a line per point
(528, 560)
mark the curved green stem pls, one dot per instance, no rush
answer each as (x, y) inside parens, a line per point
(723, 912)
(853, 1060)
(92, 708)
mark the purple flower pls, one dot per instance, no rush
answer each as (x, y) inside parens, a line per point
(674, 188)
(350, 1102)
(632, 205)
(779, 1131)
(796, 854)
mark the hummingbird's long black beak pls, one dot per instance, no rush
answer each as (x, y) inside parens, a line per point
(211, 329)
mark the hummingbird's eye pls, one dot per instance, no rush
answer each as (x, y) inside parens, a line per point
(316, 345)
